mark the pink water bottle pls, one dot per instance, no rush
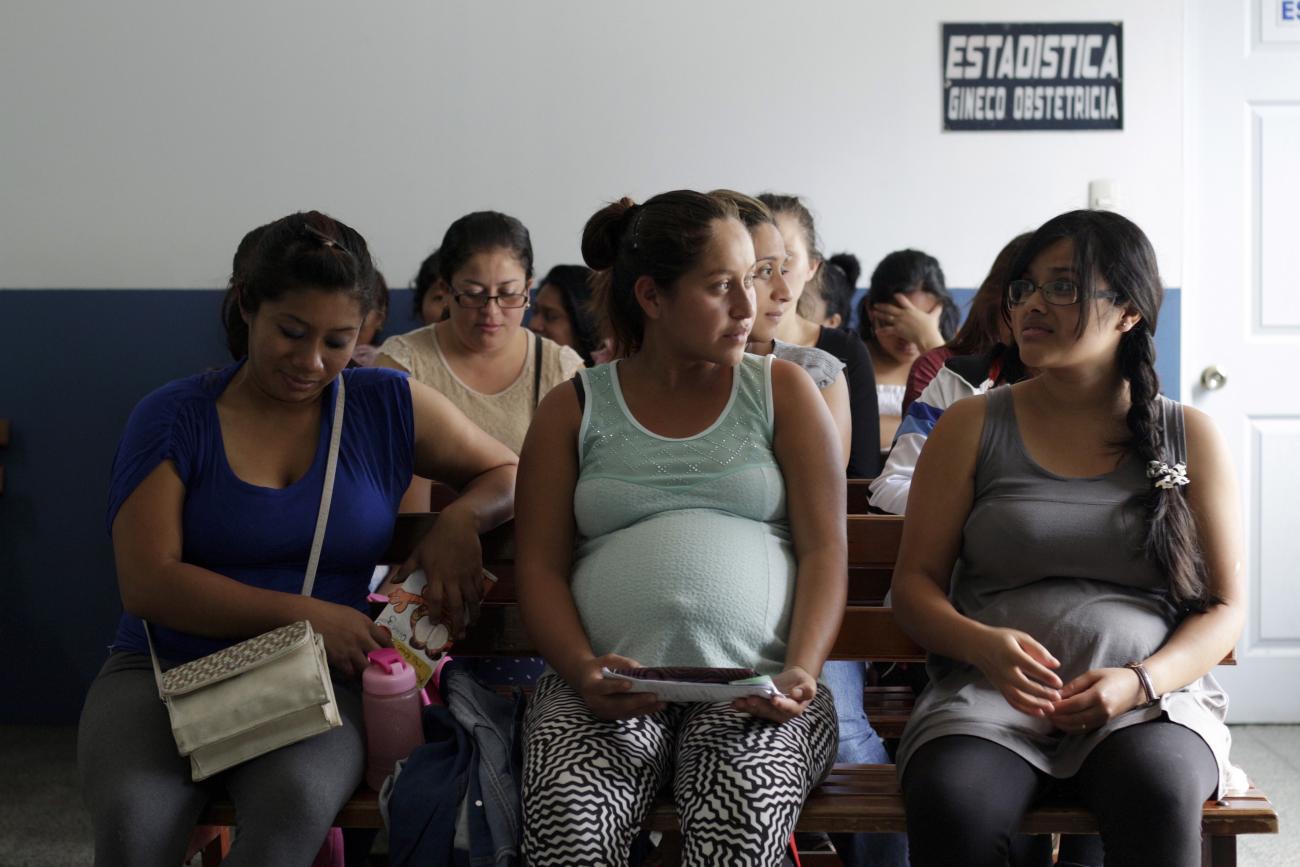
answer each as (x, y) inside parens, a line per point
(391, 703)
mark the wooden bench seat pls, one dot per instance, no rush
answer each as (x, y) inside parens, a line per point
(854, 798)
(857, 798)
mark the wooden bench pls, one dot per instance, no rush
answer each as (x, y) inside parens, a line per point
(855, 798)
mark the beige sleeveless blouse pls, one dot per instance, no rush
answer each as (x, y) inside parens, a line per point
(506, 414)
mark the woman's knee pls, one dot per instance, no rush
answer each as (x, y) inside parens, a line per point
(1159, 770)
(134, 828)
(1162, 796)
(136, 787)
(304, 784)
(952, 816)
(951, 805)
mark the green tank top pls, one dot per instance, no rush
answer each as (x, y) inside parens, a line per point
(684, 554)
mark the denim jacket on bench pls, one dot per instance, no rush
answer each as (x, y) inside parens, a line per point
(494, 723)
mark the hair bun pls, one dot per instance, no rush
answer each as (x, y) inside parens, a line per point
(604, 232)
(849, 264)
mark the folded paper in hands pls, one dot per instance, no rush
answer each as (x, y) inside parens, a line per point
(696, 684)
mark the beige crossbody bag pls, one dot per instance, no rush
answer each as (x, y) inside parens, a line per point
(261, 694)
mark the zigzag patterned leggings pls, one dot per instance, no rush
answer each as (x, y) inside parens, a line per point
(739, 782)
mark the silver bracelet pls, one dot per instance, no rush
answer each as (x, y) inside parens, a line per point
(1145, 680)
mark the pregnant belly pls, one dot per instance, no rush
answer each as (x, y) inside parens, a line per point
(1085, 624)
(698, 585)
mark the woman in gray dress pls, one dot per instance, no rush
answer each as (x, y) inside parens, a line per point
(1074, 590)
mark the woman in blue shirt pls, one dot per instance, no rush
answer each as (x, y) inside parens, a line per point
(215, 490)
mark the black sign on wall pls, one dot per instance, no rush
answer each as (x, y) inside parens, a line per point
(1033, 76)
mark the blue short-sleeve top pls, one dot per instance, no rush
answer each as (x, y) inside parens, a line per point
(262, 536)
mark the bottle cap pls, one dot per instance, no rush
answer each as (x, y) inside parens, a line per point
(388, 673)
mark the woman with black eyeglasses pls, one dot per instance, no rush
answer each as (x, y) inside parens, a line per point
(481, 357)
(1071, 561)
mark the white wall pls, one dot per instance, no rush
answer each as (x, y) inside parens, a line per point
(139, 140)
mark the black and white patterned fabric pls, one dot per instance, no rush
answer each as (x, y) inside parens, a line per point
(739, 782)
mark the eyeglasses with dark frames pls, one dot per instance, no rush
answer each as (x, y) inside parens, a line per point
(1061, 293)
(479, 300)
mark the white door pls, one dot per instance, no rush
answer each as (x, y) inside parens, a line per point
(1242, 294)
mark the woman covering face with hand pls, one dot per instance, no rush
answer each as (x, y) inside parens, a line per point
(906, 312)
(215, 491)
(1071, 560)
(681, 506)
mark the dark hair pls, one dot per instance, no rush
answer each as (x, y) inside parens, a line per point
(479, 231)
(574, 283)
(306, 250)
(661, 239)
(752, 212)
(793, 206)
(839, 280)
(906, 272)
(381, 291)
(779, 203)
(1112, 250)
(979, 333)
(381, 304)
(425, 278)
(852, 268)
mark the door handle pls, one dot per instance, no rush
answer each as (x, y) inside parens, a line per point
(1213, 379)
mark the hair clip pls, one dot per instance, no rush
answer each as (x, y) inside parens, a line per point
(325, 240)
(1167, 477)
(636, 228)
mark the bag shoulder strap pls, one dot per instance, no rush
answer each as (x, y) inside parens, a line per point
(327, 493)
(322, 517)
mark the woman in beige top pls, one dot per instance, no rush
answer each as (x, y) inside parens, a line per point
(481, 358)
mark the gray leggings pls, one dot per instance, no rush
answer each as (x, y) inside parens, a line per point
(143, 803)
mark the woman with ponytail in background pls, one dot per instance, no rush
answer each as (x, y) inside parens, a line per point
(1095, 533)
(213, 503)
(772, 299)
(681, 506)
(830, 302)
(803, 262)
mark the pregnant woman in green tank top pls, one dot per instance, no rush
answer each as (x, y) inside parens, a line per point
(683, 506)
(1070, 560)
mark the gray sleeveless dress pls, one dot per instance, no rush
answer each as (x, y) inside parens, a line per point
(1061, 559)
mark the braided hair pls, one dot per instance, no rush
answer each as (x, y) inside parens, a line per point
(1112, 253)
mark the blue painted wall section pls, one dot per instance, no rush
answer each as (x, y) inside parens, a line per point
(75, 363)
